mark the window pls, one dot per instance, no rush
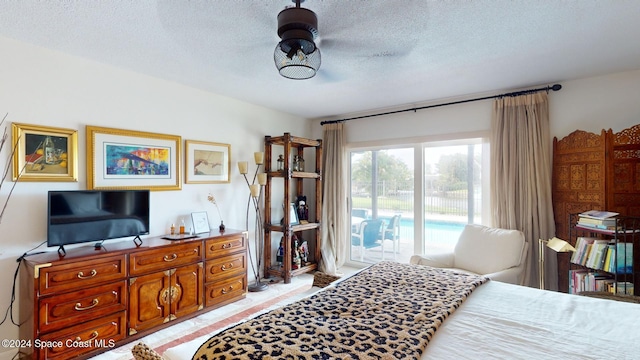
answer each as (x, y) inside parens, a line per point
(452, 190)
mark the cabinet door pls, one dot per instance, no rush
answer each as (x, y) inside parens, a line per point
(186, 292)
(149, 301)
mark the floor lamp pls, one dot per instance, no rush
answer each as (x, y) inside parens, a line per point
(556, 244)
(255, 198)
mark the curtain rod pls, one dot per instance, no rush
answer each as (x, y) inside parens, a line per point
(555, 87)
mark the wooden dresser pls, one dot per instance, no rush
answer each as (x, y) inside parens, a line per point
(92, 300)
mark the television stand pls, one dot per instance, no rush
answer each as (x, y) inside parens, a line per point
(61, 251)
(98, 245)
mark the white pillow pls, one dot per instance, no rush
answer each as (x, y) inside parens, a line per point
(485, 250)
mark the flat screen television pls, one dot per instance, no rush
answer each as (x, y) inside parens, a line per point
(82, 216)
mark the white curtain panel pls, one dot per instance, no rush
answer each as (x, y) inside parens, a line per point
(335, 219)
(521, 174)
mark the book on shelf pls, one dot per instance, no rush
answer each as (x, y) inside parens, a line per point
(609, 262)
(624, 258)
(590, 221)
(585, 280)
(599, 226)
(598, 214)
(623, 287)
(593, 253)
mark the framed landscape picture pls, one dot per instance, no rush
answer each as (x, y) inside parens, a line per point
(44, 153)
(127, 159)
(207, 162)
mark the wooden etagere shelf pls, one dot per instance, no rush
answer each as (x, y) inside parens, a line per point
(293, 181)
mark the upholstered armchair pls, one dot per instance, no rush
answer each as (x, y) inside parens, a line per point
(496, 253)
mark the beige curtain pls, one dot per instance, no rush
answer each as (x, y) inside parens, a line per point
(521, 172)
(335, 220)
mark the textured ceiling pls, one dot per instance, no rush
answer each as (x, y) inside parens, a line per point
(375, 54)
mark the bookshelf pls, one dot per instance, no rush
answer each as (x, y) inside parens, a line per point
(292, 175)
(607, 256)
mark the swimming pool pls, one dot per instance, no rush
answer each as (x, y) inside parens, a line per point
(440, 235)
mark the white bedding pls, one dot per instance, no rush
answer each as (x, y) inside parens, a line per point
(504, 321)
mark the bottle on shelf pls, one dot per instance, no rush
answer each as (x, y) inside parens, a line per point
(280, 162)
(182, 227)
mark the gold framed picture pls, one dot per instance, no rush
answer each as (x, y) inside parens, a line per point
(128, 159)
(207, 162)
(44, 153)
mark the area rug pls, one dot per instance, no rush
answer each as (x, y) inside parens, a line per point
(207, 323)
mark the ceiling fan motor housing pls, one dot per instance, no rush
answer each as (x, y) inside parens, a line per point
(297, 26)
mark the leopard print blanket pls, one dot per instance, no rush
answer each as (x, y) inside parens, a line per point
(386, 311)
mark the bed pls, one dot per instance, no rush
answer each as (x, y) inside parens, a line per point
(482, 319)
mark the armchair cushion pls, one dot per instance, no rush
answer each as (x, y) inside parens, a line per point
(486, 250)
(441, 260)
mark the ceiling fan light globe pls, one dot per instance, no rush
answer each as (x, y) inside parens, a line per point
(300, 66)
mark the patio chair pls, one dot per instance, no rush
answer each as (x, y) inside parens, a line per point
(369, 235)
(392, 232)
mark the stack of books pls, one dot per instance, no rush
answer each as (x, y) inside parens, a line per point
(597, 219)
(606, 255)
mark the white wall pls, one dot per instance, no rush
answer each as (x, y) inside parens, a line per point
(41, 87)
(589, 104)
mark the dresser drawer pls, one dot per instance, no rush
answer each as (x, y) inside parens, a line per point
(81, 274)
(68, 343)
(227, 290)
(144, 262)
(225, 245)
(59, 311)
(227, 266)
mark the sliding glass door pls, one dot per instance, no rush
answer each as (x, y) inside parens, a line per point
(382, 195)
(452, 192)
(415, 199)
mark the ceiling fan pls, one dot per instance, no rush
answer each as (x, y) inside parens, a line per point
(296, 56)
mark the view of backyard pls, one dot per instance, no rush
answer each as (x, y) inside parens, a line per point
(448, 181)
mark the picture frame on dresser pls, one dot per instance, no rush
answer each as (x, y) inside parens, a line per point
(44, 153)
(207, 162)
(200, 222)
(129, 159)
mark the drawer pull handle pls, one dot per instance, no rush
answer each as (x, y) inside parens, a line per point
(226, 246)
(93, 273)
(93, 336)
(79, 307)
(225, 291)
(224, 267)
(168, 258)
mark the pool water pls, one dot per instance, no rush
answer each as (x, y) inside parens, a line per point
(439, 235)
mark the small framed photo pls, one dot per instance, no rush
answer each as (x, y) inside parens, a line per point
(207, 162)
(44, 153)
(200, 222)
(293, 214)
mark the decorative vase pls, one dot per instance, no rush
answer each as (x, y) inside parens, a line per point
(221, 227)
